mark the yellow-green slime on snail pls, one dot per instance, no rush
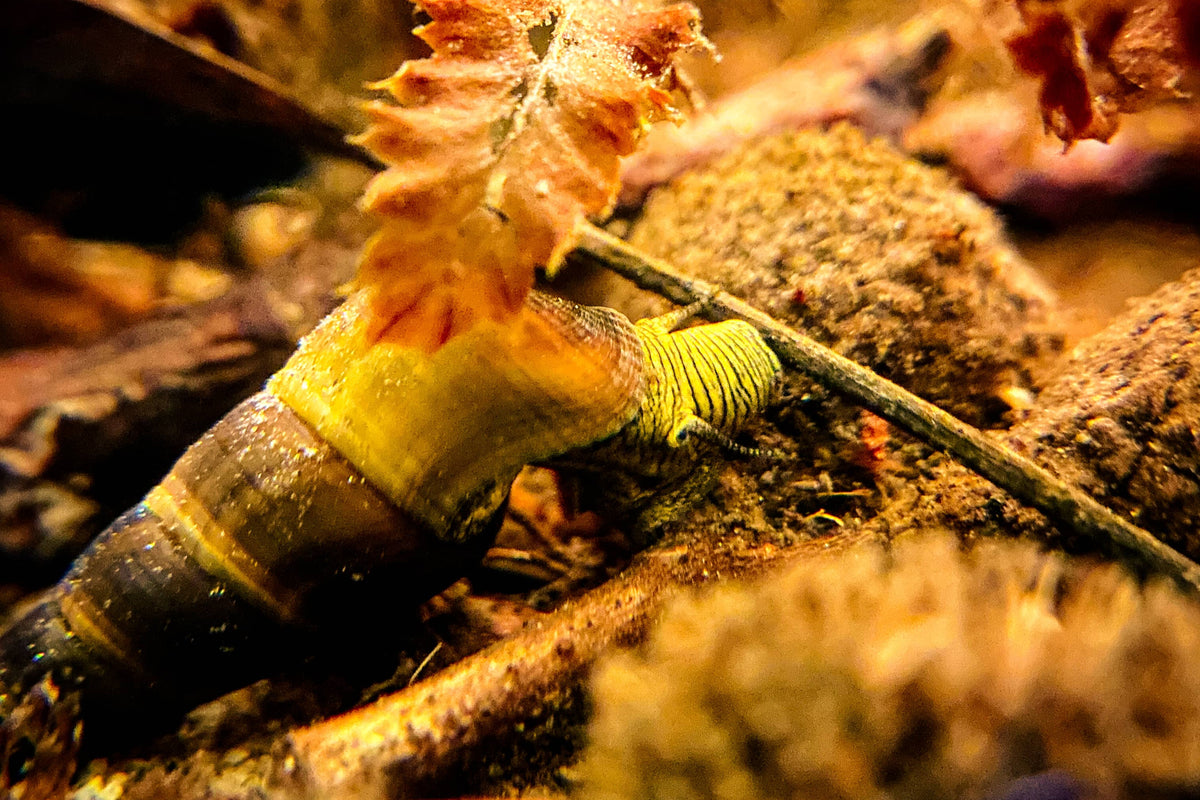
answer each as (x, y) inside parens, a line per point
(367, 475)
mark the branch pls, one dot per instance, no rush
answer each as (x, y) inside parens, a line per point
(1066, 506)
(425, 739)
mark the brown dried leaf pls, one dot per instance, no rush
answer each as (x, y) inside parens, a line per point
(1050, 49)
(1097, 59)
(503, 140)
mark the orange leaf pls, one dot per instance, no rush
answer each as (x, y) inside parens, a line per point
(501, 143)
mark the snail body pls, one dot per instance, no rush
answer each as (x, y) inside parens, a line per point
(364, 473)
(705, 383)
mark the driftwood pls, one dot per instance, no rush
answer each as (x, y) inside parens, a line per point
(421, 739)
(83, 432)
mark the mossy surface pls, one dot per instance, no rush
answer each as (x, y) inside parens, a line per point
(923, 673)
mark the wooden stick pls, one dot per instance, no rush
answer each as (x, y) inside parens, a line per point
(414, 741)
(1065, 505)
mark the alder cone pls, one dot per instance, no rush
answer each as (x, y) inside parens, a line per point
(501, 143)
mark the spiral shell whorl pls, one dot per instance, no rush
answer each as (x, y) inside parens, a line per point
(443, 434)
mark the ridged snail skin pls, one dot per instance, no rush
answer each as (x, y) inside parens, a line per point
(365, 473)
(702, 385)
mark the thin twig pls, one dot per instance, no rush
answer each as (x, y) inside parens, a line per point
(424, 663)
(1065, 505)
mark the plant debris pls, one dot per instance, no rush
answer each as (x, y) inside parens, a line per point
(499, 144)
(1097, 58)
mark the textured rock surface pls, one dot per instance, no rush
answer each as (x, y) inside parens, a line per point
(881, 258)
(1122, 421)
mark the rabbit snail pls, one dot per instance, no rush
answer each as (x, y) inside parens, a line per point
(367, 472)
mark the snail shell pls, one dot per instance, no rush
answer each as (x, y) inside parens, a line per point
(364, 473)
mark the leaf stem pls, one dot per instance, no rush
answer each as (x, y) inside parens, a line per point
(1065, 506)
